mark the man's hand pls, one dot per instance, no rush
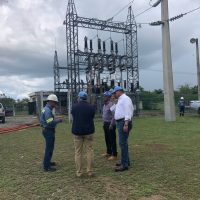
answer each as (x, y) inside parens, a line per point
(60, 118)
(125, 128)
(110, 127)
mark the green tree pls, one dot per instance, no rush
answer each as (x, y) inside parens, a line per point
(7, 101)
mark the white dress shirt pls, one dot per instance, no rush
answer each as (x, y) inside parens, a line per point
(124, 108)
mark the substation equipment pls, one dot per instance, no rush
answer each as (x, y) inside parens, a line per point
(95, 69)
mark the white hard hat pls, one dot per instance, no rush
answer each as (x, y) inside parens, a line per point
(182, 97)
(52, 97)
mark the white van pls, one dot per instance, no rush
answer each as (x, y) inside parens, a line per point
(195, 105)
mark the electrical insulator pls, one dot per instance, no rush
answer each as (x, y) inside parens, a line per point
(111, 47)
(99, 45)
(91, 48)
(104, 47)
(176, 17)
(138, 85)
(132, 87)
(116, 47)
(112, 83)
(158, 23)
(124, 84)
(86, 44)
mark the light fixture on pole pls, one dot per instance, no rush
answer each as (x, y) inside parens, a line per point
(195, 40)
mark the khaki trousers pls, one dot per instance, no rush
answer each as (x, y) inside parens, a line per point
(79, 143)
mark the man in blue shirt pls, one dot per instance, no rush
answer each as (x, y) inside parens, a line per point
(83, 130)
(48, 123)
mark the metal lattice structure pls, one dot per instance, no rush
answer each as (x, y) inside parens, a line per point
(92, 64)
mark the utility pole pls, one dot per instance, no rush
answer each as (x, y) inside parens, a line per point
(195, 40)
(169, 104)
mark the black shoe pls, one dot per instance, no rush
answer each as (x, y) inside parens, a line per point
(49, 169)
(52, 163)
(119, 164)
(121, 169)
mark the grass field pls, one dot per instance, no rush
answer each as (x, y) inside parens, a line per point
(165, 161)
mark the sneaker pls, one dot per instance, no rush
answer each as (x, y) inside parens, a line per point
(49, 169)
(112, 158)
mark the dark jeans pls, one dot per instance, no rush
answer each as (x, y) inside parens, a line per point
(182, 110)
(110, 138)
(123, 142)
(49, 136)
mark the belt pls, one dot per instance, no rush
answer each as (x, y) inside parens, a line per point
(107, 122)
(119, 120)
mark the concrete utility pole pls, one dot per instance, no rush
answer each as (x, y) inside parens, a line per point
(193, 40)
(169, 104)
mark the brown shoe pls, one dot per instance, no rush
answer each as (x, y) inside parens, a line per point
(112, 158)
(78, 175)
(90, 174)
(105, 155)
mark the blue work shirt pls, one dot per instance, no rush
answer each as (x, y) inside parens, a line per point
(47, 118)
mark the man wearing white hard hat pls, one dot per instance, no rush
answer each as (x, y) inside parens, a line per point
(181, 105)
(48, 123)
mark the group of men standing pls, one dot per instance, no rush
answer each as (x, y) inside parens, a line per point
(117, 112)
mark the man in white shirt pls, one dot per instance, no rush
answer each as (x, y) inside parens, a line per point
(123, 116)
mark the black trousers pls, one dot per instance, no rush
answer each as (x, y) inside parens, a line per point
(110, 139)
(182, 110)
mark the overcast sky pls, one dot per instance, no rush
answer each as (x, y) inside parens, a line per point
(28, 29)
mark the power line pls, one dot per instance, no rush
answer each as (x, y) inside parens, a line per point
(175, 72)
(192, 10)
(173, 18)
(110, 19)
(151, 6)
(143, 11)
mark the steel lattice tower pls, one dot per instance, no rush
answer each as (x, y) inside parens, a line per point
(132, 53)
(56, 73)
(86, 61)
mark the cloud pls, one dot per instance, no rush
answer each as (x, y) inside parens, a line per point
(29, 30)
(19, 87)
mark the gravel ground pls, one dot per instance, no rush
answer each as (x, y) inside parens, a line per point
(18, 120)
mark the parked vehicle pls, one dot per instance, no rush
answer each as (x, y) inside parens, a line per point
(9, 111)
(195, 105)
(2, 113)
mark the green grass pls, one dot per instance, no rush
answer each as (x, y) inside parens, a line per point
(165, 156)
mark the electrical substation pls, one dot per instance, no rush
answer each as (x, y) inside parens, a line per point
(98, 64)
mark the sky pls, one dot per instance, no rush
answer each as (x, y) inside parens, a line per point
(31, 30)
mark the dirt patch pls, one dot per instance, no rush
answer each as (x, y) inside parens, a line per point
(158, 147)
(154, 197)
(114, 189)
(19, 120)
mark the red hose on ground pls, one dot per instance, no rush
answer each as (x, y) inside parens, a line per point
(17, 128)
